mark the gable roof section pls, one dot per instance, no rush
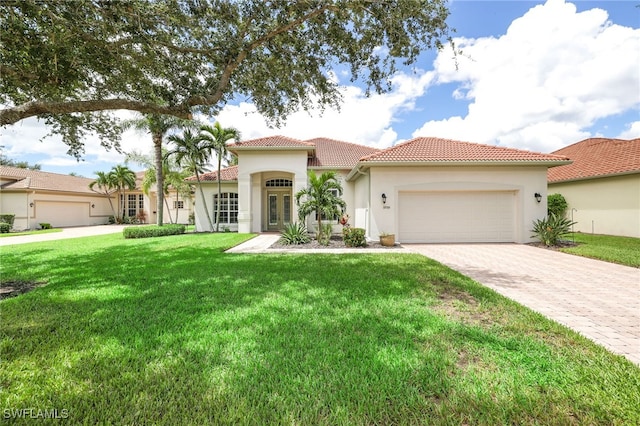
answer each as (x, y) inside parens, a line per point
(229, 174)
(332, 154)
(429, 150)
(597, 157)
(26, 179)
(271, 143)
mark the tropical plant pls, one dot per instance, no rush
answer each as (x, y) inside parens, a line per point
(122, 178)
(322, 197)
(217, 137)
(193, 153)
(556, 204)
(550, 229)
(105, 185)
(295, 233)
(158, 125)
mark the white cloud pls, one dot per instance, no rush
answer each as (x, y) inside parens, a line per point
(632, 131)
(361, 119)
(541, 85)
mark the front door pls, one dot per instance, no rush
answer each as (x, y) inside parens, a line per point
(278, 210)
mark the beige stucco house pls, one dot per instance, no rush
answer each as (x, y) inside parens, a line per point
(423, 190)
(36, 197)
(601, 186)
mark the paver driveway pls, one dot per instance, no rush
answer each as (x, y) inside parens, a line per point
(598, 299)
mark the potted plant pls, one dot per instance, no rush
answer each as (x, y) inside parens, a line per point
(387, 240)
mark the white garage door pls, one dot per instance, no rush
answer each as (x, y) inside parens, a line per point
(457, 217)
(61, 214)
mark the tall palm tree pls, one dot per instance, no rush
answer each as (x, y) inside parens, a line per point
(194, 153)
(122, 177)
(175, 179)
(104, 186)
(217, 137)
(158, 126)
(320, 197)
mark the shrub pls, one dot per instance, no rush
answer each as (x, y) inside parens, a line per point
(4, 228)
(294, 233)
(192, 218)
(111, 220)
(7, 218)
(550, 229)
(153, 231)
(354, 237)
(45, 225)
(556, 204)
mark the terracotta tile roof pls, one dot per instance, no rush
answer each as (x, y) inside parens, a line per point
(44, 181)
(597, 157)
(332, 153)
(436, 150)
(228, 174)
(270, 142)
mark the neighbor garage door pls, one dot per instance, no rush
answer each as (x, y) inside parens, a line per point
(61, 214)
(457, 217)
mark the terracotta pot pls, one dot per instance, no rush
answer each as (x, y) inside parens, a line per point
(388, 240)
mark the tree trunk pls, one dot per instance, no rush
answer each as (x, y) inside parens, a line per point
(204, 202)
(177, 202)
(157, 148)
(166, 203)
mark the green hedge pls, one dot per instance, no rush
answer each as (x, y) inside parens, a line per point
(7, 218)
(354, 237)
(4, 228)
(152, 231)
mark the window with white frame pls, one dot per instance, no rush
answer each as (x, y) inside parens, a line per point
(228, 207)
(179, 204)
(134, 204)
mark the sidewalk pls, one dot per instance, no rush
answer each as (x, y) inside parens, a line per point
(66, 233)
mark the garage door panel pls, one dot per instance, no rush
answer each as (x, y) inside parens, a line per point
(457, 216)
(62, 214)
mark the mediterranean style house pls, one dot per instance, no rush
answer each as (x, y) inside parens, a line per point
(601, 186)
(36, 197)
(423, 190)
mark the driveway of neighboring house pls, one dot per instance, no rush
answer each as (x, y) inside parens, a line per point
(80, 231)
(600, 300)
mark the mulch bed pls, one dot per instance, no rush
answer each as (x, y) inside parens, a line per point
(15, 288)
(335, 242)
(561, 244)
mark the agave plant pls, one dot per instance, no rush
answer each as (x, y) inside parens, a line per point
(550, 229)
(295, 233)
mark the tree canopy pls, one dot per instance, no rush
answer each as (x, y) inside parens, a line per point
(70, 62)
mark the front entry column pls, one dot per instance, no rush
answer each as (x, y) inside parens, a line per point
(244, 204)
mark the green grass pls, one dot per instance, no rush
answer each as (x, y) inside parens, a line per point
(37, 231)
(622, 250)
(171, 330)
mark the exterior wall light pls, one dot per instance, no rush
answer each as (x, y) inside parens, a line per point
(384, 198)
(31, 204)
(93, 206)
(538, 196)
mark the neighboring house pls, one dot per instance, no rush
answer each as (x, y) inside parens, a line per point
(601, 186)
(138, 204)
(423, 190)
(36, 197)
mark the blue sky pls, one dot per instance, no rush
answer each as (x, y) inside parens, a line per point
(533, 75)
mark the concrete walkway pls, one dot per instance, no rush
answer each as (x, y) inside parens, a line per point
(76, 232)
(598, 299)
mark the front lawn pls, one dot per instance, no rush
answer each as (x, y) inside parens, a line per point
(171, 330)
(622, 250)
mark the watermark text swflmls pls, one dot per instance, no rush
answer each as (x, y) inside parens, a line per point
(35, 413)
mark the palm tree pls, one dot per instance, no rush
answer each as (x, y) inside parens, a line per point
(193, 152)
(158, 126)
(105, 186)
(122, 178)
(175, 179)
(320, 197)
(217, 137)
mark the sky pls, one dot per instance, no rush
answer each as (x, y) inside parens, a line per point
(532, 75)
